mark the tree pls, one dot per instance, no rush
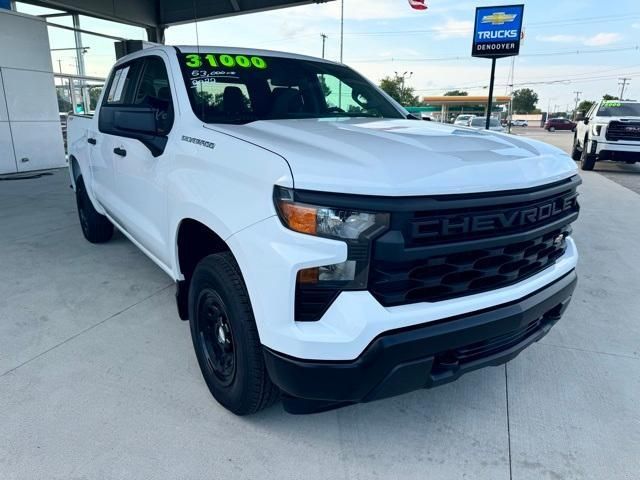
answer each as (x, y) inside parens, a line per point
(64, 105)
(395, 87)
(456, 93)
(524, 100)
(609, 97)
(585, 105)
(326, 91)
(94, 95)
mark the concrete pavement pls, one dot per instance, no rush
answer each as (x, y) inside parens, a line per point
(98, 379)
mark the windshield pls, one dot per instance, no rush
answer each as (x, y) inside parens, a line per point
(463, 118)
(230, 88)
(619, 109)
(482, 121)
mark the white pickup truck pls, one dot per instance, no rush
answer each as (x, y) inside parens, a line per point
(610, 130)
(327, 248)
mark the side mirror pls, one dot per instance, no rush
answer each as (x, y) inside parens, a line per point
(133, 122)
(141, 121)
(586, 120)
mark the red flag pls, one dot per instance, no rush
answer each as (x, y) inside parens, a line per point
(418, 4)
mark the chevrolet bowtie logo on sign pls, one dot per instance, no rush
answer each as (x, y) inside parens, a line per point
(497, 31)
(499, 18)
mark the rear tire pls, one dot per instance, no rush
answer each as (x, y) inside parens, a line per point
(225, 337)
(587, 160)
(96, 228)
(576, 153)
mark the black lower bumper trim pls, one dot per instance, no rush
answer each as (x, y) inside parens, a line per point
(421, 356)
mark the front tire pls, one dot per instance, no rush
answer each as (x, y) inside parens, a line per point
(552, 129)
(587, 160)
(225, 337)
(576, 153)
(96, 228)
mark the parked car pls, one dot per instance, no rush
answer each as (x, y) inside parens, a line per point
(463, 120)
(519, 123)
(609, 131)
(554, 124)
(481, 123)
(326, 248)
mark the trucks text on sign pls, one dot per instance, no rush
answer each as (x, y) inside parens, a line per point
(497, 31)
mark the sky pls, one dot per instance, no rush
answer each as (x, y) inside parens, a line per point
(569, 46)
(386, 36)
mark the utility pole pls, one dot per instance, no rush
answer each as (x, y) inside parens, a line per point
(324, 38)
(623, 83)
(403, 76)
(575, 109)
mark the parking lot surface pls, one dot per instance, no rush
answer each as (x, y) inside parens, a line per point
(98, 379)
(621, 173)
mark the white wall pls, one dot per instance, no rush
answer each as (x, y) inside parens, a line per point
(30, 132)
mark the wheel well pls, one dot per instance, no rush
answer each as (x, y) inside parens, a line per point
(196, 241)
(75, 168)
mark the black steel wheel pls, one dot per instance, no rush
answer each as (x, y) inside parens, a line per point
(215, 336)
(225, 337)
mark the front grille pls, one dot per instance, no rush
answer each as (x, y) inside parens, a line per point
(629, 131)
(409, 266)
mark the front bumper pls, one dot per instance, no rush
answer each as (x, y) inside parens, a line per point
(605, 150)
(421, 356)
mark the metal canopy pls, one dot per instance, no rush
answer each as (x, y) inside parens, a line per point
(152, 14)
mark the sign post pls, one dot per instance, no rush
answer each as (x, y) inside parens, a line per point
(496, 34)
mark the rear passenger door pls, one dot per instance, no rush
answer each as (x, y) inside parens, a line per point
(140, 177)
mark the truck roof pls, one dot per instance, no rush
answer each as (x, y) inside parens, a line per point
(170, 49)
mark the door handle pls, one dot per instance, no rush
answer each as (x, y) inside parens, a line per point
(92, 141)
(120, 151)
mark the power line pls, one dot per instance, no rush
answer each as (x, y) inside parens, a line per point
(534, 25)
(533, 54)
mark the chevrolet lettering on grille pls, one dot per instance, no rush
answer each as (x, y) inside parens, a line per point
(510, 219)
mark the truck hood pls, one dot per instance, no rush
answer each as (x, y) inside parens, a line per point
(403, 157)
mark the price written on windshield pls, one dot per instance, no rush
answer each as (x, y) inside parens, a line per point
(194, 60)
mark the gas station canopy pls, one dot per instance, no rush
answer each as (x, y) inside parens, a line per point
(152, 14)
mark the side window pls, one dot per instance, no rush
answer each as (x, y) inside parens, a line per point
(121, 84)
(154, 92)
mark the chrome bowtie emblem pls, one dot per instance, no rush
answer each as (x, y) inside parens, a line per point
(559, 240)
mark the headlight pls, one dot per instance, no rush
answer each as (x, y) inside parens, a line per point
(338, 223)
(596, 129)
(356, 228)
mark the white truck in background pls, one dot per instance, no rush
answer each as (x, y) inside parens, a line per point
(610, 130)
(327, 249)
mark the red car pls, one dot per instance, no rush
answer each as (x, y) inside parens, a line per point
(554, 124)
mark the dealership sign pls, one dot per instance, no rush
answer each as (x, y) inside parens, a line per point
(497, 31)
